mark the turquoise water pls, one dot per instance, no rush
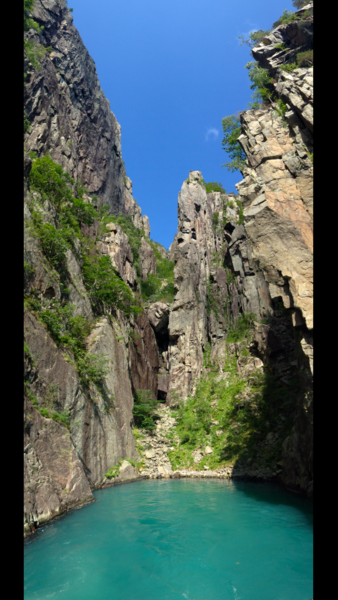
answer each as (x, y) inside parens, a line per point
(171, 539)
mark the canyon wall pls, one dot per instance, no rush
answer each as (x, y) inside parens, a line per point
(70, 119)
(235, 255)
(69, 115)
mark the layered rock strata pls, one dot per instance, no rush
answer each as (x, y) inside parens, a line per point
(277, 195)
(215, 280)
(63, 463)
(69, 115)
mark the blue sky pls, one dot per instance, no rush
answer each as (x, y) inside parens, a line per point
(171, 71)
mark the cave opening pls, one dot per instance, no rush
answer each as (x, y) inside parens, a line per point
(229, 228)
(162, 339)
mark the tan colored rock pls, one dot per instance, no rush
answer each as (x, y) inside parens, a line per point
(150, 454)
(147, 260)
(127, 471)
(116, 246)
(158, 314)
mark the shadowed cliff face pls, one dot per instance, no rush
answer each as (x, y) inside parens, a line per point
(277, 195)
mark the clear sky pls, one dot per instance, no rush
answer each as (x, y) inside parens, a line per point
(171, 71)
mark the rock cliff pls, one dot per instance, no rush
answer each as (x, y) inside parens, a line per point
(69, 115)
(219, 328)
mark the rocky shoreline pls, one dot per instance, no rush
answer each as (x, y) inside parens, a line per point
(154, 447)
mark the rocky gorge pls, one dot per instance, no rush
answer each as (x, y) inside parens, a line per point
(219, 329)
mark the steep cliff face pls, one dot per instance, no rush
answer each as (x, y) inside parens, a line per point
(215, 280)
(70, 116)
(253, 256)
(277, 195)
(242, 263)
(76, 430)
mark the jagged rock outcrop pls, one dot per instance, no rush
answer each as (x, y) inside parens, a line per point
(75, 432)
(215, 280)
(277, 195)
(147, 260)
(69, 114)
(143, 357)
(117, 246)
(133, 209)
(100, 419)
(277, 189)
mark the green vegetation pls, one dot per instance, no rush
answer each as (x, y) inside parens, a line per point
(281, 46)
(153, 289)
(28, 269)
(233, 416)
(240, 212)
(215, 220)
(254, 38)
(261, 84)
(144, 410)
(114, 471)
(287, 17)
(213, 186)
(232, 130)
(34, 51)
(304, 59)
(241, 328)
(48, 413)
(70, 333)
(281, 110)
(105, 287)
(288, 67)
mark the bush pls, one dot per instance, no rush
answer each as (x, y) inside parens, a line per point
(281, 108)
(304, 59)
(62, 417)
(241, 328)
(91, 367)
(232, 130)
(289, 67)
(287, 17)
(214, 186)
(215, 220)
(254, 38)
(54, 243)
(144, 410)
(114, 471)
(240, 212)
(261, 83)
(105, 288)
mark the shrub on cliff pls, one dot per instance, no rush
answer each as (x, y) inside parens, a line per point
(144, 410)
(214, 186)
(232, 130)
(304, 59)
(261, 84)
(300, 3)
(105, 288)
(287, 17)
(254, 38)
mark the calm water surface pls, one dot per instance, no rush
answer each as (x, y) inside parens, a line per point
(171, 539)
